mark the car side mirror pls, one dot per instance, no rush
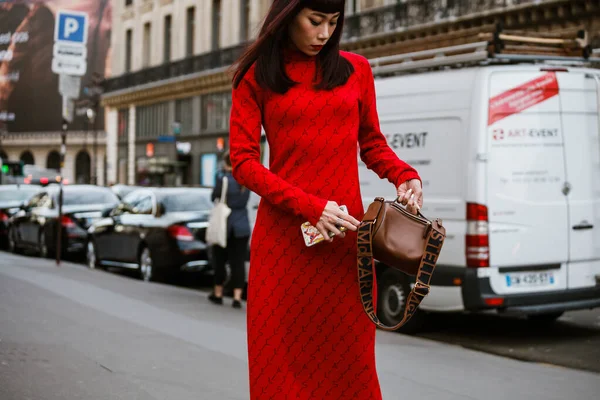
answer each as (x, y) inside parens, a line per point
(121, 209)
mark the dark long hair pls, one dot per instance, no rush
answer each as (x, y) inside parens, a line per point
(268, 49)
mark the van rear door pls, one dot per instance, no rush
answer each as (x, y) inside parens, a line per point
(527, 210)
(579, 94)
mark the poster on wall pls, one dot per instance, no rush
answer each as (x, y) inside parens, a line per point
(29, 97)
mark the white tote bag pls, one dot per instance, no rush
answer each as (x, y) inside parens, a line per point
(216, 233)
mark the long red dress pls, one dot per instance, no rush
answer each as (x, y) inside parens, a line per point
(308, 336)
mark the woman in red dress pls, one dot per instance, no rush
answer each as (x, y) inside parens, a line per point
(308, 336)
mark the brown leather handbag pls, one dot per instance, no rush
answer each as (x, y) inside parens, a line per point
(402, 240)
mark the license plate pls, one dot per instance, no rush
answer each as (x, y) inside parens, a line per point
(531, 279)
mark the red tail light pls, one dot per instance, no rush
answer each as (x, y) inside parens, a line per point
(494, 301)
(477, 239)
(3, 217)
(180, 232)
(67, 222)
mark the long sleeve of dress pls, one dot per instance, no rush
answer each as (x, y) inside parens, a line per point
(374, 149)
(245, 131)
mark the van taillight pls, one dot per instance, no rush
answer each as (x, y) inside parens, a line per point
(180, 232)
(3, 217)
(477, 238)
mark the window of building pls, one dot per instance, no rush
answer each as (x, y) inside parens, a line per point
(190, 31)
(244, 20)
(123, 129)
(215, 112)
(216, 24)
(353, 6)
(128, 40)
(128, 3)
(27, 158)
(53, 160)
(167, 39)
(184, 114)
(152, 121)
(147, 43)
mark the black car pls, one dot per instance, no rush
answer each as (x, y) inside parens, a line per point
(155, 231)
(11, 199)
(34, 225)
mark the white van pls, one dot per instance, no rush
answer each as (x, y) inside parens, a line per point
(510, 160)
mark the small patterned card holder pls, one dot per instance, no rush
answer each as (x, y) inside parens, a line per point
(311, 234)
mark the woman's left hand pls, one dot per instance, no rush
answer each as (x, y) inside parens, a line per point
(410, 194)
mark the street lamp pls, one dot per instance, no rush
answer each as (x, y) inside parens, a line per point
(91, 115)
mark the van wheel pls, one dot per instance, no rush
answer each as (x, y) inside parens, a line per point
(545, 318)
(393, 290)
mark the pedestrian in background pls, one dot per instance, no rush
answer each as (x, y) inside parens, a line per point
(308, 335)
(238, 234)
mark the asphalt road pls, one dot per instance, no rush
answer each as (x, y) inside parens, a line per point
(70, 333)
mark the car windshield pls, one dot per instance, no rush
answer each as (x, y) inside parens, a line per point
(88, 196)
(187, 201)
(14, 194)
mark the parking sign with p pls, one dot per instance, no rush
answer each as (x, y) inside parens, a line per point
(71, 26)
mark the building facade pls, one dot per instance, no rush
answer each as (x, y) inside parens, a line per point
(168, 99)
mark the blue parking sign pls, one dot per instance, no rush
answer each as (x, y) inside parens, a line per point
(71, 26)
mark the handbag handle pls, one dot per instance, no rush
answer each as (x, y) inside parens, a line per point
(419, 213)
(224, 190)
(433, 246)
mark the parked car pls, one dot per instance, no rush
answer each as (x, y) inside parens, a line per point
(35, 175)
(11, 199)
(155, 231)
(34, 225)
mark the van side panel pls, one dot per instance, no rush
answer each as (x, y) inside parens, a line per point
(527, 210)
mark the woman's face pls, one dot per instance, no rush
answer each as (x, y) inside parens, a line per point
(310, 30)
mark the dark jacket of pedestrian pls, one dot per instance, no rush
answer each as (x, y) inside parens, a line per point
(238, 223)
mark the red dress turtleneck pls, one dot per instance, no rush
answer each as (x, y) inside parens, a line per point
(308, 336)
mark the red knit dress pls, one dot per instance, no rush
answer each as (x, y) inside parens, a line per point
(308, 336)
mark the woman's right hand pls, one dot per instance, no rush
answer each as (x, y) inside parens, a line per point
(332, 216)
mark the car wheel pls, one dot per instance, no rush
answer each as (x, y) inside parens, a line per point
(43, 245)
(12, 241)
(146, 265)
(392, 294)
(90, 255)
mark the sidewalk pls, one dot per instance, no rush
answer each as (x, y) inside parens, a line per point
(69, 332)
